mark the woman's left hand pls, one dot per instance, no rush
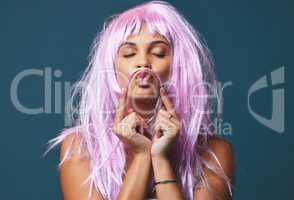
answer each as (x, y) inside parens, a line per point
(167, 126)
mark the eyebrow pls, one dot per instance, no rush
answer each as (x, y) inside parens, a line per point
(151, 43)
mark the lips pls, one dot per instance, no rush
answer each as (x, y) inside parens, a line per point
(144, 78)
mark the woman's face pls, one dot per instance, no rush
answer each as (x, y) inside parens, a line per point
(144, 50)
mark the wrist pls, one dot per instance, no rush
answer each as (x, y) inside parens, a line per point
(142, 150)
(142, 154)
(159, 156)
(159, 159)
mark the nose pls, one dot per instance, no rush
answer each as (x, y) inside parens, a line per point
(143, 61)
(143, 66)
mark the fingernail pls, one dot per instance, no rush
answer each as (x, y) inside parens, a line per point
(123, 91)
(130, 110)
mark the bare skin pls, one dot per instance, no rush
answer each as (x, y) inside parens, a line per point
(147, 154)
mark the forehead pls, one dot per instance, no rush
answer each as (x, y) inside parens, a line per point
(145, 36)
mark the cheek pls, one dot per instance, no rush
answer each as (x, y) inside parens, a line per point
(122, 70)
(163, 71)
(121, 73)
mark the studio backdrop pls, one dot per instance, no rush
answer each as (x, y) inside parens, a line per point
(44, 48)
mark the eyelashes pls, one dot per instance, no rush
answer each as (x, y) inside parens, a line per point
(159, 55)
(154, 54)
(128, 55)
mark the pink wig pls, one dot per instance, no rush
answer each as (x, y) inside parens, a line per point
(98, 90)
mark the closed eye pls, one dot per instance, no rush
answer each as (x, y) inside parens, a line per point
(155, 54)
(128, 55)
(159, 55)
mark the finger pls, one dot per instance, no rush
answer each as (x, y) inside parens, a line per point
(157, 131)
(156, 135)
(168, 116)
(167, 103)
(137, 121)
(138, 118)
(165, 123)
(143, 122)
(121, 106)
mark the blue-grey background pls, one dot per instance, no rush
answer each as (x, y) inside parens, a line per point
(248, 39)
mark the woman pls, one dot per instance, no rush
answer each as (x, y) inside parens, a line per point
(144, 109)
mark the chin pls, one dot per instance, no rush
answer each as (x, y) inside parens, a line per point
(144, 96)
(144, 93)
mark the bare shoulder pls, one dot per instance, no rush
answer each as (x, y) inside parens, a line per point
(72, 141)
(221, 147)
(75, 170)
(224, 153)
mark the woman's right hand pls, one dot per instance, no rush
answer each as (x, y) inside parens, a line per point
(128, 126)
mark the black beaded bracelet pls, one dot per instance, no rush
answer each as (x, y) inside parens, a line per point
(166, 181)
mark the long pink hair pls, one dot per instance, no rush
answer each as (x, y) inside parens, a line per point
(191, 82)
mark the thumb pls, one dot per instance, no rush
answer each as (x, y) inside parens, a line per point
(156, 136)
